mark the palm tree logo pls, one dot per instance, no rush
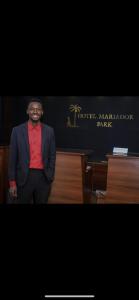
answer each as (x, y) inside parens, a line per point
(76, 109)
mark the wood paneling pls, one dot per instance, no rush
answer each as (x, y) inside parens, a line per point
(73, 181)
(122, 179)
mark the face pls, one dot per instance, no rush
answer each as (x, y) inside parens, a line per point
(35, 112)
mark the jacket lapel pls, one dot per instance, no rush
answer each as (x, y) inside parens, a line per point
(43, 139)
(25, 134)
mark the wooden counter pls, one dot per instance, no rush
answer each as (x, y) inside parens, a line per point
(73, 179)
(122, 179)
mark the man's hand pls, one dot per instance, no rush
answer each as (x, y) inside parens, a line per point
(13, 192)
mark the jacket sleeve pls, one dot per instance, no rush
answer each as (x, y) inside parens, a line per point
(52, 156)
(13, 153)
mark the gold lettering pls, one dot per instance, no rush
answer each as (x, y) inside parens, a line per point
(104, 124)
(101, 116)
(106, 117)
(131, 117)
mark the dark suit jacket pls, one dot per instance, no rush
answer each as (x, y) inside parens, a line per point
(19, 156)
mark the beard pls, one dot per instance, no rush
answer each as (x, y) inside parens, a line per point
(35, 121)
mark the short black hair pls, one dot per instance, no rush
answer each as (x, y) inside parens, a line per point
(34, 99)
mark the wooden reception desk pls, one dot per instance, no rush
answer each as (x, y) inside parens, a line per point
(122, 179)
(73, 179)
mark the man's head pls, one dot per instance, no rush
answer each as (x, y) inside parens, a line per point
(35, 110)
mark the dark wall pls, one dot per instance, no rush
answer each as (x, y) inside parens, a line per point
(101, 122)
(19, 106)
(1, 120)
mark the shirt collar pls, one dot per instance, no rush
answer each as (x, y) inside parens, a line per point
(36, 127)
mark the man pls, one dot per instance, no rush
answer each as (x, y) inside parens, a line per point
(32, 158)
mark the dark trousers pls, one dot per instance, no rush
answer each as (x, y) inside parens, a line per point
(36, 189)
